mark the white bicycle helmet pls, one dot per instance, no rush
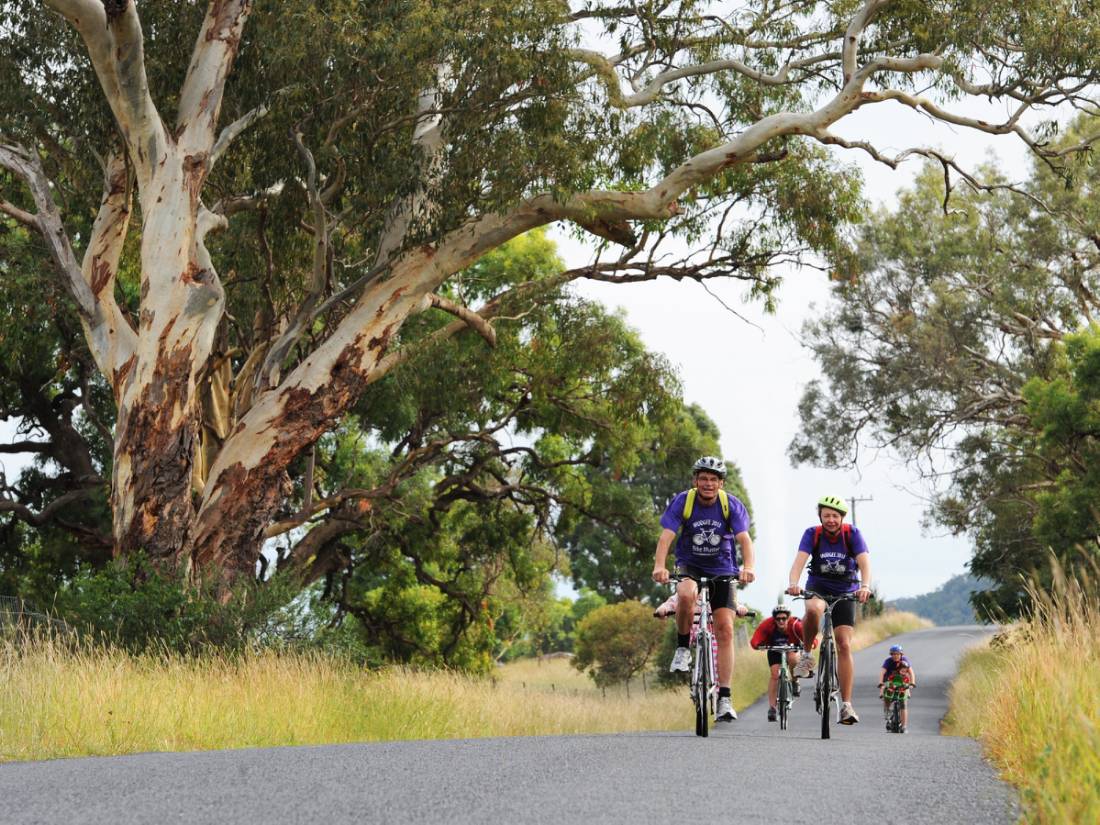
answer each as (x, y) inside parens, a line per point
(710, 464)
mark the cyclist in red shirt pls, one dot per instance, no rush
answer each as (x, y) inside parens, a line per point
(780, 629)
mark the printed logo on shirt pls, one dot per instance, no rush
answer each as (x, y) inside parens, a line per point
(833, 563)
(706, 537)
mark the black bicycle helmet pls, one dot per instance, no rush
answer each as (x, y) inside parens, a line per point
(710, 464)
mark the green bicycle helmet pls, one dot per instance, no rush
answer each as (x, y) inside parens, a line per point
(833, 503)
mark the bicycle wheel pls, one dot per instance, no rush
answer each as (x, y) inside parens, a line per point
(702, 685)
(895, 716)
(784, 700)
(825, 687)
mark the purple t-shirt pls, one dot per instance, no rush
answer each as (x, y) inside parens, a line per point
(706, 541)
(833, 570)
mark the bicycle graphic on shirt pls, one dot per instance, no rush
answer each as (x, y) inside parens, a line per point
(706, 541)
(833, 568)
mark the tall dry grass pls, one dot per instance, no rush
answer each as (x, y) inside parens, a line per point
(57, 700)
(1032, 697)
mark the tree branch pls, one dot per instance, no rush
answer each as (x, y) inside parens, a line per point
(203, 88)
(112, 34)
(110, 337)
(476, 322)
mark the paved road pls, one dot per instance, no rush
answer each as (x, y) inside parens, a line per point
(639, 778)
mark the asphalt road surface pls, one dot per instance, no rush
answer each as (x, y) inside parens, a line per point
(746, 772)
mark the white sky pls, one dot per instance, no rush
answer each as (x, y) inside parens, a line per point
(757, 411)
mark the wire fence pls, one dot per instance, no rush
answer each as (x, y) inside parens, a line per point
(19, 617)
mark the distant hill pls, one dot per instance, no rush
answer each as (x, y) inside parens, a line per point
(948, 604)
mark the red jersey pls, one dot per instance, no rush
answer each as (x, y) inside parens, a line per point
(768, 633)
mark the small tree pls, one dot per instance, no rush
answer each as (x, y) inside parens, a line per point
(615, 642)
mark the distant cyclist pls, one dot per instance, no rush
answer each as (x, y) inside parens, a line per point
(704, 522)
(897, 687)
(839, 564)
(780, 629)
(894, 662)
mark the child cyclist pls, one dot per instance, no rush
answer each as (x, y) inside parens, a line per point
(897, 687)
(893, 663)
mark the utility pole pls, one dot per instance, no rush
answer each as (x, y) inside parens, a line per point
(860, 608)
(853, 501)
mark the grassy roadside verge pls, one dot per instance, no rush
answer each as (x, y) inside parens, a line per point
(55, 702)
(1032, 699)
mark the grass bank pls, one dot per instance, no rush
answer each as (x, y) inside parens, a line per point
(56, 702)
(1032, 699)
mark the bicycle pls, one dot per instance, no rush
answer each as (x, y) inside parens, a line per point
(897, 704)
(827, 686)
(704, 668)
(785, 697)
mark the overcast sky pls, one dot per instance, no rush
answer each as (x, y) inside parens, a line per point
(756, 409)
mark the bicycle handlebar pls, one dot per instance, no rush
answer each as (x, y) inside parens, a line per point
(831, 598)
(781, 647)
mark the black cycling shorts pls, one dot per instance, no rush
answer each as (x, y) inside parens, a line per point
(722, 592)
(844, 614)
(775, 657)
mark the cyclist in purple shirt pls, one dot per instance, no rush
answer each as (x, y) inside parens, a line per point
(893, 663)
(839, 563)
(704, 522)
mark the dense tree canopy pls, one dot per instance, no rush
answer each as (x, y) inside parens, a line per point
(256, 212)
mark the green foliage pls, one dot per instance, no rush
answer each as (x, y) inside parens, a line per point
(472, 460)
(615, 642)
(140, 609)
(455, 567)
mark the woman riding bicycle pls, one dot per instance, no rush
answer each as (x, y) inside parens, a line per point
(704, 522)
(836, 551)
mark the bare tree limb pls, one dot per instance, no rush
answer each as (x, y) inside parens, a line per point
(477, 323)
(109, 334)
(112, 34)
(211, 60)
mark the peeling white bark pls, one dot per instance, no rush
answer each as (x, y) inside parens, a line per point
(154, 370)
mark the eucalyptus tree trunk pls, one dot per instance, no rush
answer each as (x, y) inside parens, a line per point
(154, 369)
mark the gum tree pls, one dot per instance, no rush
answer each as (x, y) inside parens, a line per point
(355, 158)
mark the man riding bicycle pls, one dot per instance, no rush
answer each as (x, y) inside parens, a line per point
(704, 522)
(836, 551)
(780, 629)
